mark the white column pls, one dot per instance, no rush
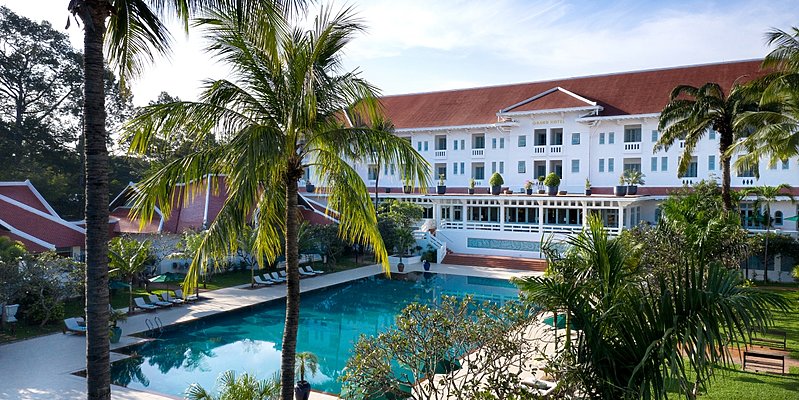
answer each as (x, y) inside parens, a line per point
(502, 215)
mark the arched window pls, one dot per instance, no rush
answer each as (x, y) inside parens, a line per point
(778, 218)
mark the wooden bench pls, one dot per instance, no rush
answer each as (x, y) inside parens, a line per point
(780, 343)
(768, 362)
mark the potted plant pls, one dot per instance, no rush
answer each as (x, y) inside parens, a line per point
(621, 188)
(587, 187)
(442, 187)
(541, 180)
(552, 182)
(407, 188)
(528, 187)
(309, 187)
(496, 183)
(471, 186)
(306, 361)
(115, 332)
(404, 241)
(634, 178)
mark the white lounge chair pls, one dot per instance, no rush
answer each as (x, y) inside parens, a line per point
(179, 294)
(141, 304)
(168, 297)
(282, 273)
(539, 387)
(11, 313)
(308, 268)
(261, 281)
(275, 278)
(154, 300)
(305, 274)
(72, 325)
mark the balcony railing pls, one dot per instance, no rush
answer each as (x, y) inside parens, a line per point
(515, 227)
(441, 154)
(478, 182)
(478, 152)
(747, 181)
(632, 147)
(682, 144)
(556, 149)
(539, 149)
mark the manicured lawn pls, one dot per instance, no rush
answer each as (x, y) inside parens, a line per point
(738, 385)
(789, 322)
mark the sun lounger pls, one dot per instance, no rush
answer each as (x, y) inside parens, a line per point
(308, 268)
(179, 294)
(261, 281)
(282, 273)
(72, 325)
(305, 274)
(154, 300)
(168, 297)
(140, 303)
(276, 278)
(539, 387)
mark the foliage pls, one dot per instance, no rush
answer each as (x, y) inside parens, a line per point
(10, 250)
(634, 177)
(307, 362)
(429, 344)
(127, 258)
(242, 387)
(552, 180)
(496, 180)
(528, 184)
(396, 224)
(587, 184)
(635, 326)
(323, 240)
(441, 180)
(471, 183)
(765, 196)
(795, 272)
(45, 286)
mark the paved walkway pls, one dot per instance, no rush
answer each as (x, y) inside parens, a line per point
(43, 367)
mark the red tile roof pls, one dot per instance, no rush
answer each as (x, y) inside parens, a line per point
(555, 99)
(24, 192)
(638, 92)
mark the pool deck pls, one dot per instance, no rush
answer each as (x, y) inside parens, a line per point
(43, 367)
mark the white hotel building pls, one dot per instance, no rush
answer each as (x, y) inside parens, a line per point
(582, 128)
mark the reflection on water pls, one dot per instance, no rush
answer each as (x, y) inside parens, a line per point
(331, 321)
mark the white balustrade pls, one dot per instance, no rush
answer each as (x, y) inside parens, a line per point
(539, 149)
(478, 152)
(632, 147)
(440, 154)
(556, 149)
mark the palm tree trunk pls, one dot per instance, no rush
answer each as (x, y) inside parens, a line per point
(97, 354)
(725, 141)
(292, 289)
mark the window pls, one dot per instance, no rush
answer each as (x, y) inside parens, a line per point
(418, 146)
(455, 167)
(441, 143)
(522, 167)
(712, 135)
(463, 169)
(385, 169)
(691, 172)
(502, 143)
(372, 172)
(785, 164)
(610, 165)
(556, 136)
(601, 137)
(493, 143)
(575, 166)
(479, 172)
(664, 164)
(540, 137)
(611, 137)
(711, 163)
(441, 170)
(632, 166)
(653, 164)
(493, 166)
(772, 166)
(523, 141)
(392, 169)
(778, 218)
(576, 138)
(601, 165)
(632, 134)
(425, 145)
(502, 167)
(455, 144)
(463, 144)
(654, 136)
(747, 172)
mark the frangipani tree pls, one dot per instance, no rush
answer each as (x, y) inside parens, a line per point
(281, 112)
(127, 258)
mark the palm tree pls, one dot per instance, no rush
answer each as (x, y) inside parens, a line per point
(764, 196)
(776, 122)
(692, 112)
(127, 257)
(234, 387)
(282, 112)
(307, 362)
(637, 328)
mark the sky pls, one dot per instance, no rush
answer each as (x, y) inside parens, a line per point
(421, 45)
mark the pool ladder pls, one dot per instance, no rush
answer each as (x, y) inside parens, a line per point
(153, 325)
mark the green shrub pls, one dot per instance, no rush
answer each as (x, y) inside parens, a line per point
(496, 180)
(795, 272)
(552, 179)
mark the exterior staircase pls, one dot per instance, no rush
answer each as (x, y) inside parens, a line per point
(525, 264)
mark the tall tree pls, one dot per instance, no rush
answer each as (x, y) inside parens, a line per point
(765, 195)
(127, 258)
(281, 113)
(692, 112)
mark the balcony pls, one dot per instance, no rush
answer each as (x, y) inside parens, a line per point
(440, 154)
(478, 182)
(747, 181)
(478, 153)
(556, 149)
(539, 149)
(632, 147)
(682, 144)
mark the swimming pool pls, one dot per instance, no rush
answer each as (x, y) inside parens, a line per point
(331, 321)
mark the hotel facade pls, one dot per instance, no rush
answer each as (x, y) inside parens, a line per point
(588, 128)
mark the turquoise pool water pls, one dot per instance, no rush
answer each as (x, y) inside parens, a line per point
(332, 319)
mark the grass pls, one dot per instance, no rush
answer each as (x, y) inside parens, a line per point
(733, 384)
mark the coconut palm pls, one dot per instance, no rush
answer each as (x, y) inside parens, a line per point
(281, 113)
(776, 123)
(307, 362)
(636, 330)
(764, 196)
(133, 33)
(692, 112)
(232, 387)
(128, 257)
